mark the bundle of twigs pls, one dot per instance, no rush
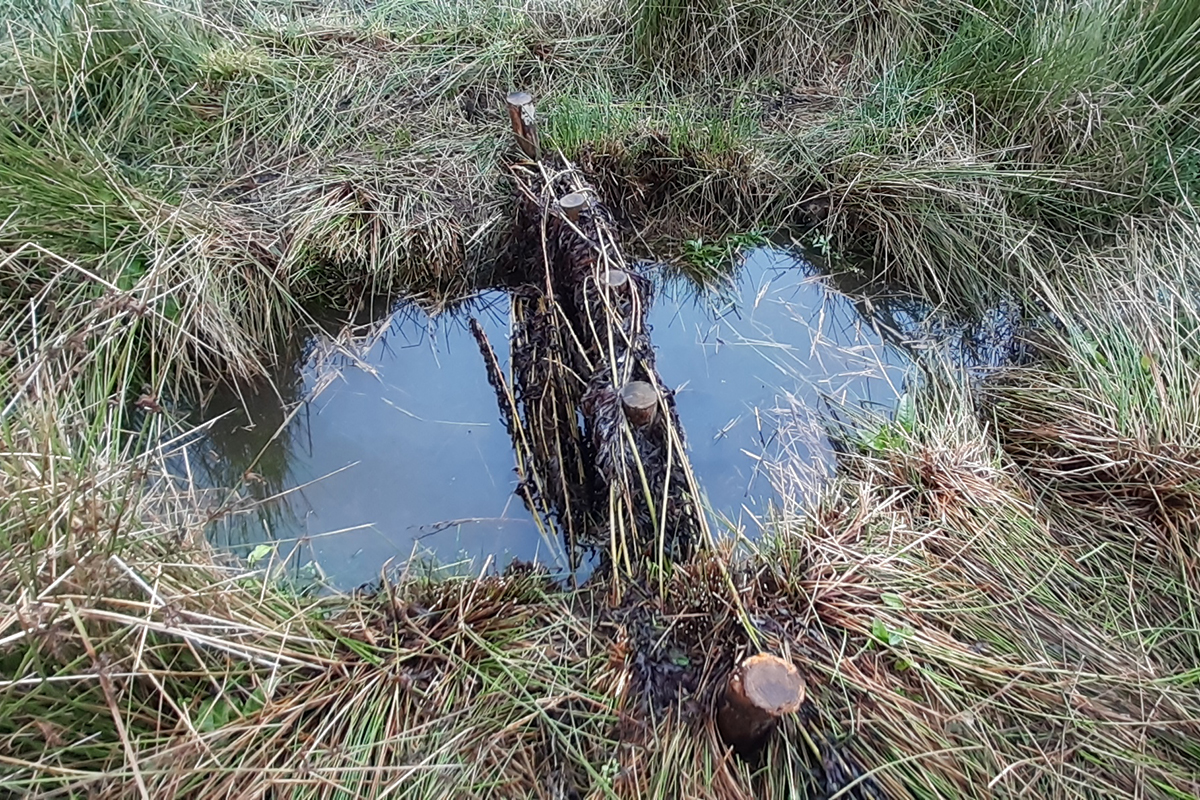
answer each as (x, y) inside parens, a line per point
(599, 445)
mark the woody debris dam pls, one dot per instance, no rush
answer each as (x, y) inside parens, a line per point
(600, 450)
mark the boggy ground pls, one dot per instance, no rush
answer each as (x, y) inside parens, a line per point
(996, 595)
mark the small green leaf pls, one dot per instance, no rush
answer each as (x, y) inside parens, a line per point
(678, 657)
(881, 440)
(892, 601)
(880, 631)
(131, 274)
(214, 714)
(254, 702)
(258, 554)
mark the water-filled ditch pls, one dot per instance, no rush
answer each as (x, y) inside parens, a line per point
(392, 449)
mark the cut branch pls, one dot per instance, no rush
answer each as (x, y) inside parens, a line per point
(617, 279)
(523, 116)
(572, 204)
(760, 691)
(641, 401)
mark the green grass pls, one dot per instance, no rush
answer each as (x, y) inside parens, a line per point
(358, 148)
(997, 597)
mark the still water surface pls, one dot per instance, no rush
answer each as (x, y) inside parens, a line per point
(390, 449)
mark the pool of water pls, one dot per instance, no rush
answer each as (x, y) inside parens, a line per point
(364, 453)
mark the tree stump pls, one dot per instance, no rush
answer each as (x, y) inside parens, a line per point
(522, 115)
(760, 691)
(640, 400)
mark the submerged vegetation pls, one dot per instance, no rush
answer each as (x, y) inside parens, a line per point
(997, 597)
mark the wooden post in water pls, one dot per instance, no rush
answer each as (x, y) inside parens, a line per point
(572, 204)
(641, 402)
(579, 340)
(524, 122)
(617, 280)
(760, 691)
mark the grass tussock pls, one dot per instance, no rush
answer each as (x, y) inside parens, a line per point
(973, 609)
(953, 620)
(348, 150)
(137, 662)
(1106, 426)
(958, 634)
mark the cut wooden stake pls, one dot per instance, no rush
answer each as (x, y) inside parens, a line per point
(524, 122)
(617, 279)
(572, 204)
(760, 691)
(641, 402)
